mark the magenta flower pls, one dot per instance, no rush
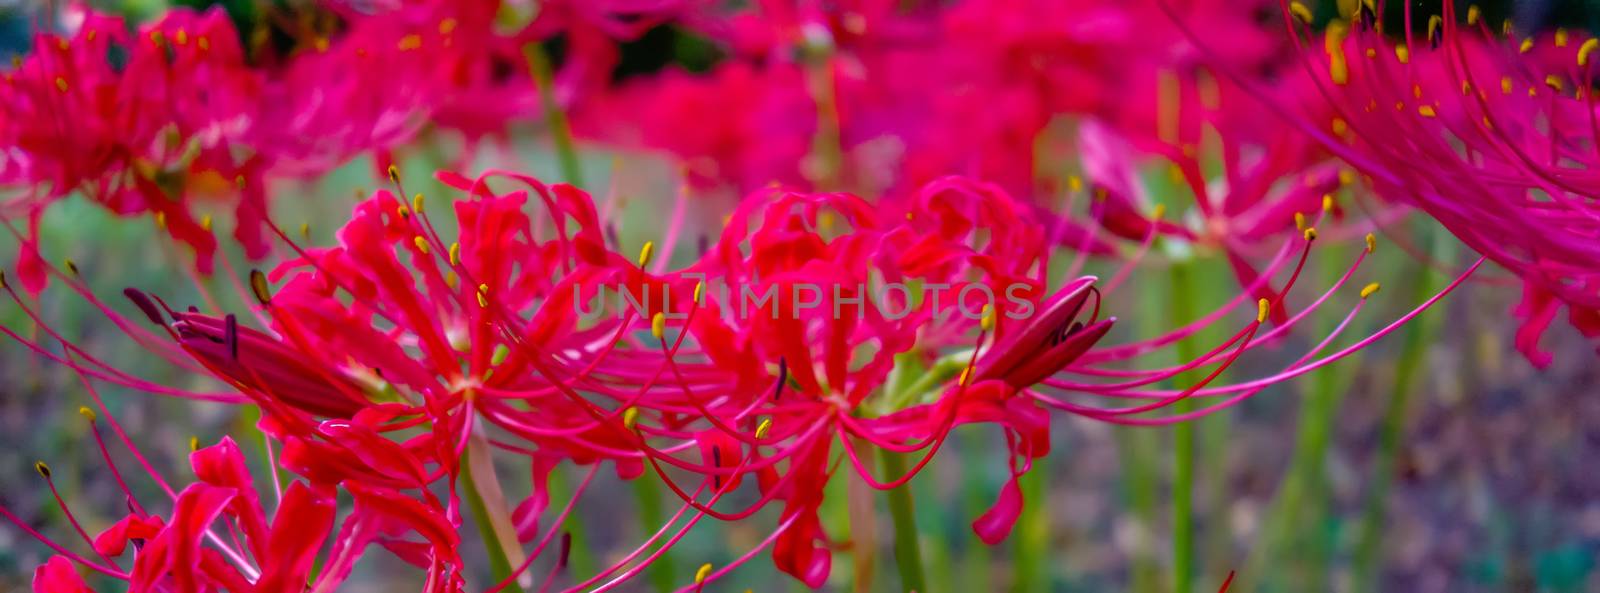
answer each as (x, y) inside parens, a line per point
(1480, 128)
(184, 550)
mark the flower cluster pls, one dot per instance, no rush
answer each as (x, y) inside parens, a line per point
(914, 194)
(816, 329)
(1488, 130)
(188, 109)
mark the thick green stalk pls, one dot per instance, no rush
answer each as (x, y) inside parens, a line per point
(647, 493)
(1138, 448)
(1418, 336)
(907, 551)
(580, 559)
(976, 495)
(555, 118)
(481, 490)
(1184, 439)
(1033, 533)
(1295, 524)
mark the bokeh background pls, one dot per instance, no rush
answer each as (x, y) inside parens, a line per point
(1438, 460)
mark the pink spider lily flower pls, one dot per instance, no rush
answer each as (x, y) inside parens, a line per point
(218, 534)
(1479, 127)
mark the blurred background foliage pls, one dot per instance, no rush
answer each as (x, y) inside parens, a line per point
(1438, 460)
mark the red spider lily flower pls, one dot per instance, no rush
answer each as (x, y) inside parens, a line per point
(184, 551)
(764, 128)
(1478, 127)
(149, 134)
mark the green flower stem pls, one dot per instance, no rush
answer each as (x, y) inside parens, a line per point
(580, 558)
(481, 489)
(555, 118)
(1418, 336)
(1183, 437)
(647, 493)
(1295, 523)
(907, 550)
(1032, 536)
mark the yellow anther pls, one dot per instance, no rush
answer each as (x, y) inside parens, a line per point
(194, 444)
(61, 84)
(451, 279)
(455, 254)
(965, 374)
(394, 173)
(321, 44)
(1346, 177)
(1333, 44)
(409, 42)
(205, 223)
(161, 220)
(658, 325)
(1434, 22)
(1587, 48)
(72, 266)
(305, 230)
(1262, 308)
(88, 413)
(987, 321)
(1561, 37)
(1402, 53)
(483, 295)
(416, 202)
(403, 211)
(1158, 211)
(1474, 14)
(763, 428)
(1369, 290)
(446, 26)
(1527, 45)
(1299, 221)
(421, 243)
(1075, 183)
(1340, 126)
(701, 575)
(182, 37)
(630, 417)
(1310, 233)
(1327, 203)
(44, 470)
(1300, 11)
(646, 252)
(258, 285)
(699, 288)
(1426, 111)
(1506, 84)
(1372, 242)
(1554, 82)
